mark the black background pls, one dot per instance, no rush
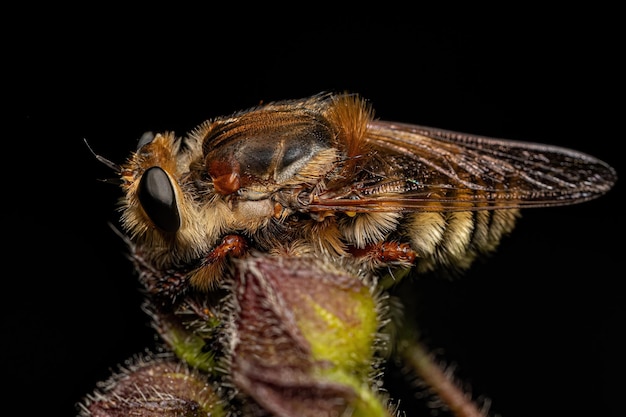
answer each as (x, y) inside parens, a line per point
(536, 328)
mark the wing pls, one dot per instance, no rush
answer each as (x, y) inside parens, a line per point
(417, 168)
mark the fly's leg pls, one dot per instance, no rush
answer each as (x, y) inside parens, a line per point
(386, 253)
(212, 269)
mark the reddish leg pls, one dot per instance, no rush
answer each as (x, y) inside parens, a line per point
(212, 269)
(233, 245)
(386, 252)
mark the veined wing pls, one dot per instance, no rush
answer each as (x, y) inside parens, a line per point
(418, 168)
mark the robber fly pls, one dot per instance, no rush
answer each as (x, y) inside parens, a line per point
(321, 178)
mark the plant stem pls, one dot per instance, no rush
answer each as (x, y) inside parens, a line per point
(416, 356)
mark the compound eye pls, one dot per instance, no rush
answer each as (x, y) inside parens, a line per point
(158, 199)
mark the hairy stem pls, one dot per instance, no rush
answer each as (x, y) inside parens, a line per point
(416, 356)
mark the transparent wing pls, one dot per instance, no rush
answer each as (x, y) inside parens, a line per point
(418, 168)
